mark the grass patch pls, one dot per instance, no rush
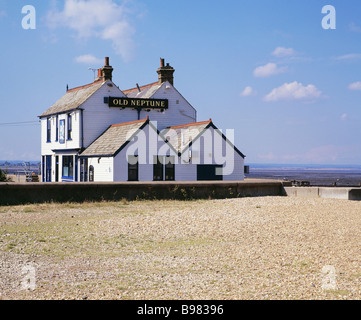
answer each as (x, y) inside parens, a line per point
(88, 229)
(171, 246)
(11, 245)
(339, 292)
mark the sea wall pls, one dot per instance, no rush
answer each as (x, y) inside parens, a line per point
(23, 193)
(324, 192)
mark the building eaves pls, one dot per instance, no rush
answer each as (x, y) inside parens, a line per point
(192, 132)
(179, 136)
(73, 99)
(114, 139)
(149, 90)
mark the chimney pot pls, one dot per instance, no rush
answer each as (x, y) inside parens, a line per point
(165, 73)
(105, 73)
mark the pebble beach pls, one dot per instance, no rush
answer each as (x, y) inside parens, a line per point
(276, 248)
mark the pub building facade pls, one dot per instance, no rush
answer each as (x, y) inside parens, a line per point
(99, 133)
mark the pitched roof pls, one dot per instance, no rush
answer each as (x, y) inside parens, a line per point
(199, 124)
(73, 99)
(180, 136)
(149, 90)
(114, 138)
(145, 92)
(183, 136)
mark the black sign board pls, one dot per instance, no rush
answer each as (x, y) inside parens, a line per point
(138, 103)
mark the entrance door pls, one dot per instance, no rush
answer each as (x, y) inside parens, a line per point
(83, 170)
(133, 168)
(208, 172)
(91, 174)
(48, 168)
(56, 168)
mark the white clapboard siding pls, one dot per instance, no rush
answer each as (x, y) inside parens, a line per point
(238, 171)
(179, 110)
(185, 172)
(98, 115)
(146, 145)
(225, 153)
(94, 116)
(212, 148)
(74, 143)
(45, 147)
(103, 168)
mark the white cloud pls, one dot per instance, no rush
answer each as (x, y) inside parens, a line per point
(102, 19)
(293, 91)
(354, 28)
(88, 59)
(281, 52)
(355, 86)
(268, 70)
(248, 91)
(344, 116)
(350, 56)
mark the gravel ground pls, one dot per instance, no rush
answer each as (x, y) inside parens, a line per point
(249, 248)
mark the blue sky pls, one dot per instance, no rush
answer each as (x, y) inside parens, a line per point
(290, 89)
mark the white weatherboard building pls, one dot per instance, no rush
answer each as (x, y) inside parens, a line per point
(99, 133)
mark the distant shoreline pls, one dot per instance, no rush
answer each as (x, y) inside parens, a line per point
(316, 174)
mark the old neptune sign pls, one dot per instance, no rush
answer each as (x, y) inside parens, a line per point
(138, 103)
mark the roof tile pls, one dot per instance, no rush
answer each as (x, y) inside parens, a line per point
(73, 99)
(113, 139)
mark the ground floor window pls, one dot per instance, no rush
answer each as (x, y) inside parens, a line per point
(169, 168)
(56, 168)
(158, 168)
(164, 168)
(83, 170)
(133, 168)
(208, 172)
(68, 167)
(48, 168)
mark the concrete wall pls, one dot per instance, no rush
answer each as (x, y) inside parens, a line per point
(324, 192)
(309, 192)
(16, 193)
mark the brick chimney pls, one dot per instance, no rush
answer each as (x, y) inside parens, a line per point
(105, 73)
(165, 73)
